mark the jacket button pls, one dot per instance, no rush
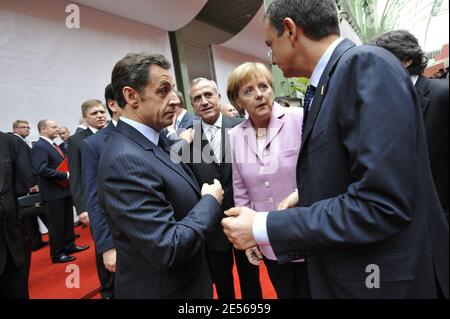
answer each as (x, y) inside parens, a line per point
(270, 200)
(267, 184)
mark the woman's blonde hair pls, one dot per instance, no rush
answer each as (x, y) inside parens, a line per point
(242, 74)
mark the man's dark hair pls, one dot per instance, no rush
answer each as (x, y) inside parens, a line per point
(109, 95)
(317, 18)
(180, 96)
(405, 47)
(133, 71)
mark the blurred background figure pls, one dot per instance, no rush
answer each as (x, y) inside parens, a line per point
(64, 134)
(433, 94)
(229, 110)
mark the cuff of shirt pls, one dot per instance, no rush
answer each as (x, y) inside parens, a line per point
(260, 229)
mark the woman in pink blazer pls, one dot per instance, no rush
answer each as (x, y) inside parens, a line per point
(265, 149)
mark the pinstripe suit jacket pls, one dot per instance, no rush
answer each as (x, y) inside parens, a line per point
(157, 220)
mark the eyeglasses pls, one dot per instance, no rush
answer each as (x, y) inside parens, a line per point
(27, 127)
(198, 98)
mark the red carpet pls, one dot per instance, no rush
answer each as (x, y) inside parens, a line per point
(48, 280)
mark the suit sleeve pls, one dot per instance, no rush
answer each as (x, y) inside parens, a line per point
(240, 192)
(99, 224)
(75, 177)
(136, 201)
(378, 121)
(41, 161)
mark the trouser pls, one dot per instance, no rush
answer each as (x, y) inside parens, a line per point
(13, 280)
(290, 280)
(221, 266)
(105, 277)
(60, 225)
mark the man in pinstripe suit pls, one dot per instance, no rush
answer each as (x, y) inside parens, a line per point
(158, 216)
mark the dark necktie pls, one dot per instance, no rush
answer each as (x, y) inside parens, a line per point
(58, 149)
(307, 103)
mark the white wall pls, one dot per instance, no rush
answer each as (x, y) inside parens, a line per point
(48, 70)
(225, 61)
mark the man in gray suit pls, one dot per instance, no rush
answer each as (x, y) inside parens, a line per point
(158, 216)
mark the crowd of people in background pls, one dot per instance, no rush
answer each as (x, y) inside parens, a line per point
(173, 199)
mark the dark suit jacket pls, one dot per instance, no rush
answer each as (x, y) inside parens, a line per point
(365, 186)
(25, 179)
(157, 220)
(186, 122)
(10, 238)
(90, 156)
(75, 169)
(45, 161)
(207, 171)
(434, 100)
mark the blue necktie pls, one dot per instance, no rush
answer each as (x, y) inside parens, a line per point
(307, 103)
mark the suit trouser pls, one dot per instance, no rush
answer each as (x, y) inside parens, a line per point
(290, 280)
(13, 280)
(59, 213)
(105, 277)
(221, 266)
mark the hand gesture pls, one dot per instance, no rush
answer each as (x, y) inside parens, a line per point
(289, 202)
(254, 255)
(188, 135)
(214, 190)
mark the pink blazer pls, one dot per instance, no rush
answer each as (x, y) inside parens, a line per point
(262, 181)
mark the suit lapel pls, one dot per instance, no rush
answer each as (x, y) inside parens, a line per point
(423, 91)
(51, 149)
(321, 89)
(275, 124)
(141, 140)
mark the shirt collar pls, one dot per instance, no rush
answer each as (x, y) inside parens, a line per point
(19, 136)
(47, 139)
(414, 79)
(114, 122)
(218, 123)
(180, 117)
(145, 130)
(320, 67)
(93, 129)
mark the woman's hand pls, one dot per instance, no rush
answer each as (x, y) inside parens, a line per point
(254, 255)
(289, 202)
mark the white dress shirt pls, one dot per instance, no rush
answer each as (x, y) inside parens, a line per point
(145, 130)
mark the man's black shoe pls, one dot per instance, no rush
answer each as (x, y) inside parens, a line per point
(63, 259)
(76, 249)
(40, 245)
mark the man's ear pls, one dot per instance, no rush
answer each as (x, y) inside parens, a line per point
(131, 96)
(290, 28)
(407, 63)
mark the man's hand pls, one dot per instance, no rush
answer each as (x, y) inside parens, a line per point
(171, 127)
(188, 135)
(34, 189)
(238, 227)
(254, 256)
(109, 259)
(214, 190)
(289, 202)
(84, 218)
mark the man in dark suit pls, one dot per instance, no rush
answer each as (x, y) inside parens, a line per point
(433, 96)
(157, 215)
(54, 190)
(13, 278)
(64, 135)
(94, 114)
(91, 150)
(209, 158)
(182, 121)
(368, 219)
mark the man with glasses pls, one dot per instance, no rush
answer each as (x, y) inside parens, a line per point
(207, 159)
